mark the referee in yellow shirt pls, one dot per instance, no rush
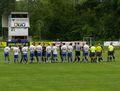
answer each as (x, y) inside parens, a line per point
(111, 53)
(92, 53)
(99, 50)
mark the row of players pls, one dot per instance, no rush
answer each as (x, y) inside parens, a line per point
(50, 53)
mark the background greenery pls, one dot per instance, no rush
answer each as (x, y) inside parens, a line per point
(69, 19)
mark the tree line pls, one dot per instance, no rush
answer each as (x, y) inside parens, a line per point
(69, 19)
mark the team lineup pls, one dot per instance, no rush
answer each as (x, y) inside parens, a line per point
(50, 53)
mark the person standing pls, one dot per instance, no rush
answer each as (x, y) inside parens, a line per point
(92, 53)
(6, 54)
(20, 48)
(60, 51)
(63, 51)
(55, 53)
(49, 53)
(77, 52)
(99, 50)
(24, 53)
(70, 50)
(44, 53)
(39, 52)
(32, 53)
(111, 52)
(16, 51)
(85, 52)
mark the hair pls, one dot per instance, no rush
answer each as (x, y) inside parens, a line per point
(63, 43)
(70, 44)
(53, 44)
(39, 43)
(33, 43)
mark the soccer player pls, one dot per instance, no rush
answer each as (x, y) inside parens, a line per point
(20, 48)
(24, 53)
(39, 52)
(55, 53)
(85, 52)
(36, 53)
(77, 52)
(99, 52)
(49, 53)
(63, 51)
(111, 53)
(6, 54)
(92, 53)
(60, 50)
(32, 53)
(16, 51)
(70, 50)
(44, 53)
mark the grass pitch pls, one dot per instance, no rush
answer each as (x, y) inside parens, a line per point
(60, 77)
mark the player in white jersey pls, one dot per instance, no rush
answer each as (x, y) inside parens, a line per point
(16, 51)
(55, 53)
(32, 53)
(63, 50)
(70, 50)
(24, 53)
(6, 54)
(85, 52)
(39, 52)
(49, 53)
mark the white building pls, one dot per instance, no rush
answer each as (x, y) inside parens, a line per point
(18, 25)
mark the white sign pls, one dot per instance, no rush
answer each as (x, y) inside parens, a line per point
(115, 43)
(19, 22)
(18, 31)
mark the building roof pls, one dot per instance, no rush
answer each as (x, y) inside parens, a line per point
(19, 12)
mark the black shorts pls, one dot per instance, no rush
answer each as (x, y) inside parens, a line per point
(98, 54)
(77, 53)
(110, 53)
(92, 54)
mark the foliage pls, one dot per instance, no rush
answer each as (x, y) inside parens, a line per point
(71, 19)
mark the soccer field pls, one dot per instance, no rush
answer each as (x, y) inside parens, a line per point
(103, 76)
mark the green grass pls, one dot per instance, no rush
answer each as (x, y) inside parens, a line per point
(60, 77)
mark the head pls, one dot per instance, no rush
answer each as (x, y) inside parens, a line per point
(83, 44)
(48, 44)
(33, 43)
(70, 44)
(99, 44)
(39, 43)
(111, 43)
(43, 44)
(53, 44)
(92, 44)
(63, 43)
(78, 43)
(24, 45)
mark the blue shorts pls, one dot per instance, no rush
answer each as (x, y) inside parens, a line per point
(85, 53)
(64, 54)
(55, 55)
(49, 55)
(40, 54)
(15, 56)
(32, 54)
(70, 54)
(24, 55)
(6, 54)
